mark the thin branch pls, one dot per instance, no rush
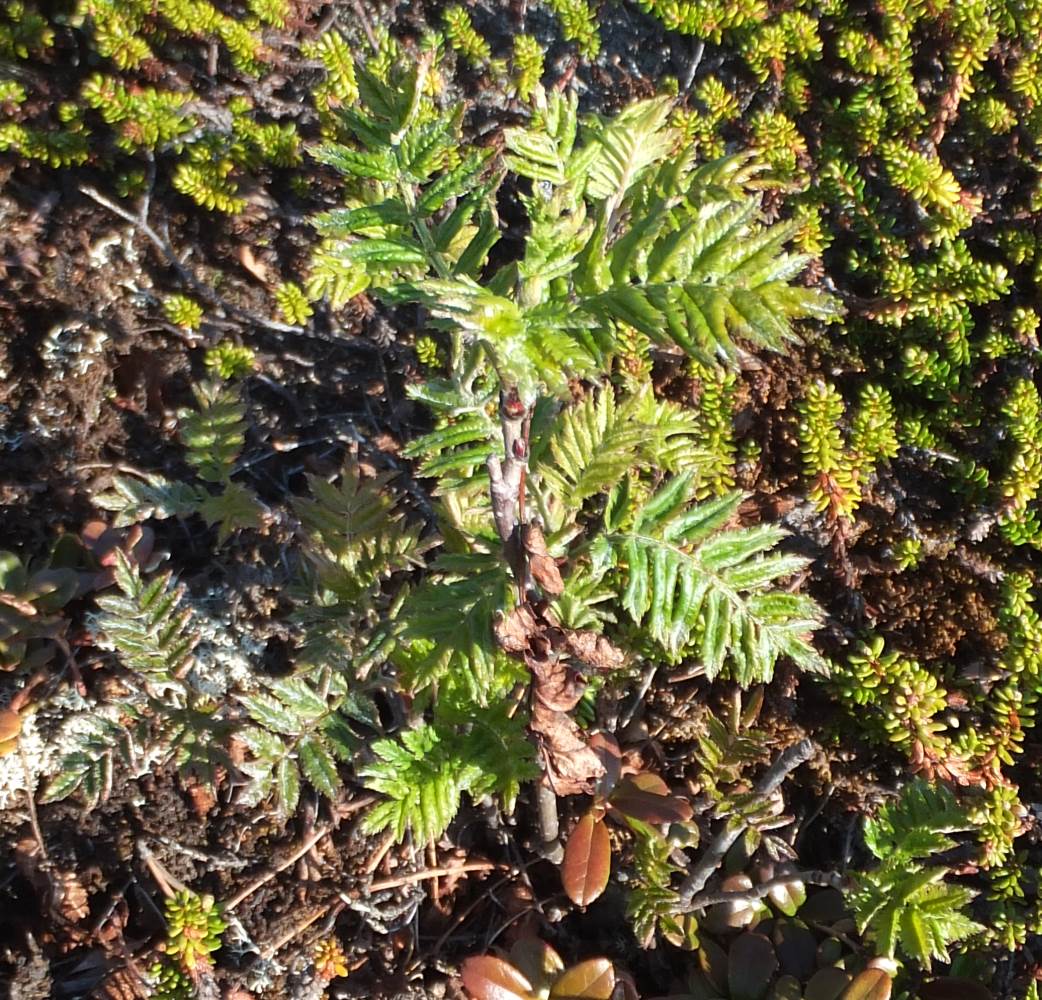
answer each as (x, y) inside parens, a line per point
(168, 884)
(310, 842)
(770, 782)
(506, 474)
(30, 798)
(141, 223)
(269, 951)
(427, 873)
(831, 879)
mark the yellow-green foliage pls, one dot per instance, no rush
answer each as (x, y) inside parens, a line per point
(273, 12)
(579, 25)
(183, 311)
(706, 18)
(208, 173)
(128, 31)
(793, 35)
(227, 360)
(54, 148)
(825, 458)
(206, 179)
(780, 142)
(169, 982)
(463, 37)
(338, 88)
(701, 128)
(1023, 477)
(840, 468)
(527, 64)
(144, 117)
(23, 32)
(194, 929)
(293, 303)
(718, 390)
(427, 352)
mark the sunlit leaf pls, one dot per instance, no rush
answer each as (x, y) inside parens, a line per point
(587, 861)
(486, 977)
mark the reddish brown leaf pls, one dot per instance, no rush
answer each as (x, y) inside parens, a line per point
(594, 650)
(646, 797)
(540, 564)
(648, 781)
(608, 753)
(590, 980)
(954, 988)
(648, 808)
(555, 684)
(537, 961)
(489, 978)
(571, 766)
(872, 984)
(751, 964)
(514, 631)
(587, 861)
(10, 725)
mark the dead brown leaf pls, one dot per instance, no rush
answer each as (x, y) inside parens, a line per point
(514, 632)
(571, 766)
(124, 984)
(254, 266)
(69, 897)
(554, 684)
(10, 729)
(594, 650)
(540, 563)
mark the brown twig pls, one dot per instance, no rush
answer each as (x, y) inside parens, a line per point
(162, 244)
(506, 475)
(269, 951)
(167, 883)
(264, 879)
(30, 798)
(423, 874)
(380, 853)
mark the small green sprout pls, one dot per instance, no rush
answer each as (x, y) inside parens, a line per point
(293, 303)
(183, 311)
(226, 360)
(194, 928)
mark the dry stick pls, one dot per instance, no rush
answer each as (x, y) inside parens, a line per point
(506, 475)
(428, 873)
(199, 287)
(831, 879)
(30, 798)
(311, 841)
(714, 854)
(507, 489)
(380, 853)
(341, 813)
(363, 19)
(168, 885)
(269, 951)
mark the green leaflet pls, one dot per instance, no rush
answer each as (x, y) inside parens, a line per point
(686, 577)
(302, 728)
(426, 771)
(906, 905)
